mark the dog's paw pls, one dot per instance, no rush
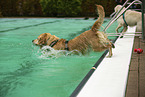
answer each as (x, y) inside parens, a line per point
(109, 56)
(113, 46)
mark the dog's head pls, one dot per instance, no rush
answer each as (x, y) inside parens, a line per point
(117, 8)
(45, 39)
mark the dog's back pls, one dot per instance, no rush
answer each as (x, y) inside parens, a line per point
(131, 17)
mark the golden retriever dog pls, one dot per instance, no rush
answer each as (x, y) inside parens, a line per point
(130, 18)
(91, 39)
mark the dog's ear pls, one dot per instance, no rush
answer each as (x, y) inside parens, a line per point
(43, 39)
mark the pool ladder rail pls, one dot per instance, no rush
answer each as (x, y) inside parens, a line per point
(117, 15)
(125, 34)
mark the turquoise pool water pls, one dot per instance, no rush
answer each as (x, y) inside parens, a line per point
(27, 71)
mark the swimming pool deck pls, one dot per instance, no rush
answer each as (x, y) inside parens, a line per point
(136, 78)
(119, 76)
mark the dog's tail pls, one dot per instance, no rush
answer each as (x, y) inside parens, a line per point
(100, 20)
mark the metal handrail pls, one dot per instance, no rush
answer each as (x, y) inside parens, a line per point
(116, 16)
(143, 25)
(126, 34)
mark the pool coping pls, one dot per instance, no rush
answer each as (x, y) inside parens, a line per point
(111, 78)
(86, 78)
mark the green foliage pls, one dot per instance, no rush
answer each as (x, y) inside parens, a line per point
(29, 7)
(0, 12)
(54, 8)
(8, 7)
(49, 7)
(20, 8)
(88, 7)
(61, 7)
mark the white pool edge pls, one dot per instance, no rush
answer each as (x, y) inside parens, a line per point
(110, 78)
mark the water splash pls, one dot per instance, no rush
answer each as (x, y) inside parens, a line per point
(48, 52)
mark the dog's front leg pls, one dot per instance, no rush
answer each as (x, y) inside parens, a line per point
(123, 31)
(110, 53)
(119, 26)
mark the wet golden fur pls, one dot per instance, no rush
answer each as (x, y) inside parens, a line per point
(94, 39)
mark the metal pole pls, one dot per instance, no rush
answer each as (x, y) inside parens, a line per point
(116, 17)
(125, 35)
(143, 22)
